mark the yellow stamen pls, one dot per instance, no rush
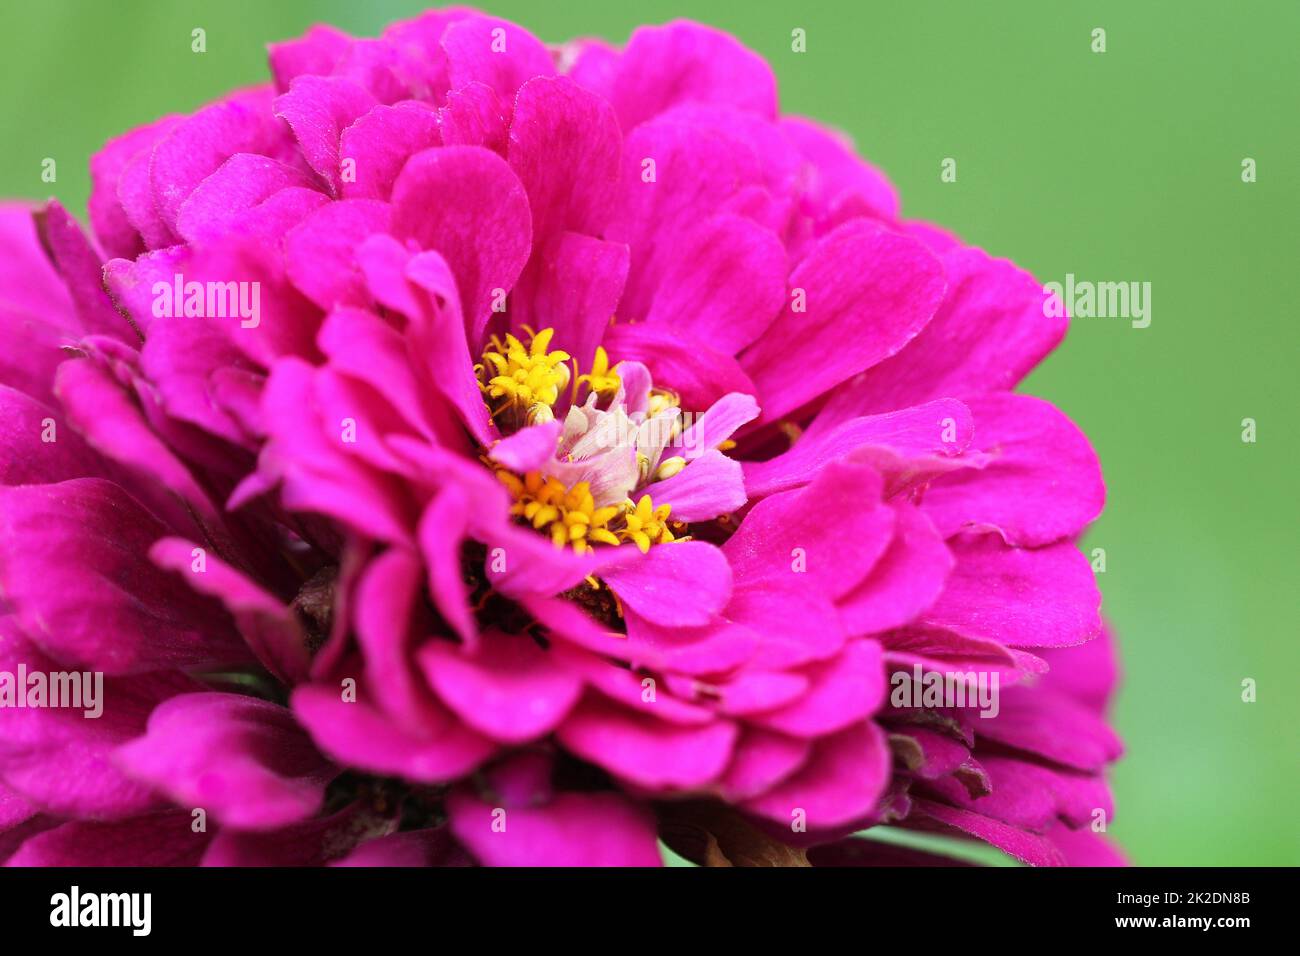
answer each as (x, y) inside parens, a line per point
(570, 518)
(522, 383)
(602, 379)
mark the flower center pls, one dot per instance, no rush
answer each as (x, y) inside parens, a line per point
(586, 498)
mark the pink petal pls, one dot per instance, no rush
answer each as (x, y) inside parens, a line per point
(738, 268)
(157, 839)
(242, 182)
(699, 374)
(320, 252)
(357, 735)
(494, 52)
(243, 760)
(379, 144)
(677, 584)
(510, 689)
(1046, 597)
(846, 689)
(1043, 482)
(683, 62)
(573, 829)
(318, 109)
(987, 334)
(75, 571)
(869, 291)
(559, 125)
(841, 781)
(644, 750)
(268, 624)
(907, 579)
(826, 537)
(711, 485)
(1026, 847)
(466, 203)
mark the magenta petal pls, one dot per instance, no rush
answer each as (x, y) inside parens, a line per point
(1041, 721)
(1046, 597)
(13, 809)
(269, 625)
(528, 449)
(467, 204)
(738, 268)
(441, 534)
(242, 182)
(700, 374)
(317, 51)
(911, 444)
(1031, 796)
(1042, 484)
(717, 424)
(826, 537)
(387, 599)
(494, 52)
(840, 178)
(559, 125)
(645, 750)
(793, 623)
(1087, 673)
(1026, 847)
(474, 116)
(198, 145)
(988, 333)
(60, 760)
(157, 839)
(711, 485)
(683, 62)
(509, 689)
(75, 571)
(761, 761)
(318, 109)
(316, 473)
(113, 424)
(25, 459)
(843, 690)
(313, 842)
(357, 735)
(320, 252)
(113, 230)
(1082, 847)
(905, 582)
(713, 648)
(426, 288)
(365, 347)
(572, 829)
(243, 760)
(676, 584)
(868, 292)
(80, 266)
(578, 283)
(379, 144)
(841, 781)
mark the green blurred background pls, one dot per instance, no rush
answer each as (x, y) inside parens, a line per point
(1117, 166)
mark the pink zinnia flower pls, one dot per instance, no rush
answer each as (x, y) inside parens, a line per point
(468, 451)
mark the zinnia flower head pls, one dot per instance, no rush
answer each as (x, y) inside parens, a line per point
(469, 451)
